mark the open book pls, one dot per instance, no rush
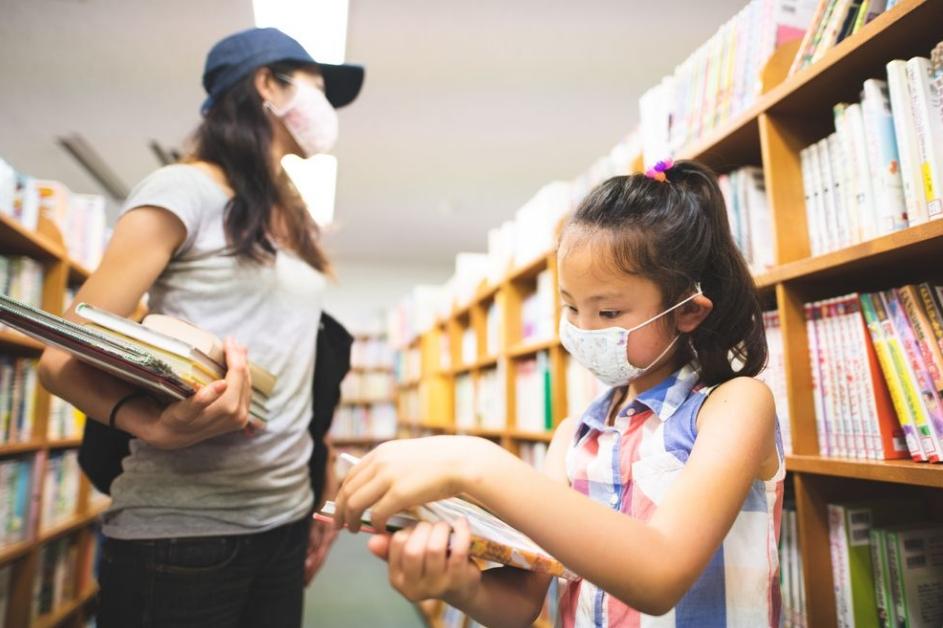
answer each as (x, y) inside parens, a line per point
(492, 540)
(164, 365)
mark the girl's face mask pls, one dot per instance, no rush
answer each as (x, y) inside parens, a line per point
(603, 351)
(308, 117)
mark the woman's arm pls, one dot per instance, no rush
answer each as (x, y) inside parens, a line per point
(420, 566)
(648, 565)
(140, 248)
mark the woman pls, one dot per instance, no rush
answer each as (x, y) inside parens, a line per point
(209, 523)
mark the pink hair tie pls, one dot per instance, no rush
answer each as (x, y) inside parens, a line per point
(657, 172)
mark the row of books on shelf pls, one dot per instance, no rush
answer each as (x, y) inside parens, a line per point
(61, 489)
(750, 215)
(877, 371)
(832, 22)
(81, 218)
(887, 563)
(881, 170)
(791, 581)
(65, 422)
(480, 402)
(538, 310)
(19, 383)
(17, 514)
(371, 353)
(375, 421)
(407, 365)
(775, 375)
(721, 79)
(21, 277)
(534, 394)
(361, 386)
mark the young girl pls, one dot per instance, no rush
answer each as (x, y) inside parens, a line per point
(665, 496)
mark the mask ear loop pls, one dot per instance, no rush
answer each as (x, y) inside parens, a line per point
(697, 292)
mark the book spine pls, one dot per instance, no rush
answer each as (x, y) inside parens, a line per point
(906, 135)
(925, 395)
(858, 523)
(818, 224)
(833, 235)
(895, 569)
(870, 305)
(867, 396)
(926, 341)
(883, 157)
(929, 133)
(864, 192)
(811, 315)
(832, 29)
(852, 371)
(838, 542)
(879, 567)
(933, 310)
(805, 46)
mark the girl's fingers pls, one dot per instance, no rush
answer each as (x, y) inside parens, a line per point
(395, 555)
(414, 552)
(460, 543)
(379, 546)
(355, 480)
(364, 498)
(437, 549)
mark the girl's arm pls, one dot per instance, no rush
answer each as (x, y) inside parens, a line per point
(140, 248)
(647, 565)
(421, 568)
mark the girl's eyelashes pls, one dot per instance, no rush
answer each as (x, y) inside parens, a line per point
(568, 307)
(610, 314)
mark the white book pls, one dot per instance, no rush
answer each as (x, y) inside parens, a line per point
(812, 333)
(819, 224)
(836, 161)
(848, 173)
(841, 576)
(883, 157)
(905, 132)
(815, 244)
(864, 192)
(928, 120)
(833, 235)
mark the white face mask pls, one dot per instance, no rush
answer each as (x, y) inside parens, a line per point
(309, 118)
(603, 351)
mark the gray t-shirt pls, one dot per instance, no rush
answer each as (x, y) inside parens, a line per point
(232, 484)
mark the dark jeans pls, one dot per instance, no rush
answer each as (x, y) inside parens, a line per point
(233, 581)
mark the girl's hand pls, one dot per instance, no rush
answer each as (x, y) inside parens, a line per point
(423, 563)
(404, 473)
(217, 408)
(320, 538)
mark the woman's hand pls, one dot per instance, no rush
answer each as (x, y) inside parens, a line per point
(215, 409)
(404, 473)
(320, 539)
(424, 563)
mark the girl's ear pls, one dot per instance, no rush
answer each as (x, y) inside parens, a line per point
(267, 85)
(693, 313)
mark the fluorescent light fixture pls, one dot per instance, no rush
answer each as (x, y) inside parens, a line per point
(316, 180)
(318, 25)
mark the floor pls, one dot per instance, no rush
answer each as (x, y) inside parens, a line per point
(352, 591)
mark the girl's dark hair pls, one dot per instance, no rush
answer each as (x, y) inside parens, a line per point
(675, 234)
(236, 135)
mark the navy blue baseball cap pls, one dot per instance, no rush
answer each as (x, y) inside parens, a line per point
(234, 57)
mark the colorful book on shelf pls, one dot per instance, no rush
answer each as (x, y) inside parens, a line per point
(928, 122)
(905, 133)
(915, 572)
(126, 359)
(493, 541)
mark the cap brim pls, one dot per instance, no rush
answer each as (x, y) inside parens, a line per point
(342, 83)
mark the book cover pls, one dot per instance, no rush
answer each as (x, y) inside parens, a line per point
(493, 541)
(882, 592)
(804, 53)
(841, 573)
(832, 29)
(933, 309)
(905, 133)
(911, 302)
(870, 304)
(815, 356)
(864, 192)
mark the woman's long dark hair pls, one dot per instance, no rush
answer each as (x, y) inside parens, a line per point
(236, 135)
(676, 233)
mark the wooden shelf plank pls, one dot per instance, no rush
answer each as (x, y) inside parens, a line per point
(9, 449)
(67, 609)
(531, 269)
(484, 432)
(14, 550)
(78, 273)
(17, 239)
(896, 471)
(543, 437)
(65, 443)
(525, 349)
(914, 247)
(359, 441)
(367, 402)
(72, 523)
(12, 340)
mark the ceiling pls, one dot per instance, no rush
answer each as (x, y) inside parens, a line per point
(468, 107)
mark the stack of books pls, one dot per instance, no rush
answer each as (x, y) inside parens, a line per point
(55, 579)
(774, 375)
(169, 358)
(490, 399)
(371, 353)
(882, 168)
(887, 563)
(877, 370)
(22, 278)
(832, 22)
(374, 421)
(368, 386)
(537, 311)
(65, 420)
(465, 401)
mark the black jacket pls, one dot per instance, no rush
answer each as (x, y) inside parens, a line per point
(103, 448)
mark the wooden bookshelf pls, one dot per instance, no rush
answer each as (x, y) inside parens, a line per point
(45, 244)
(792, 113)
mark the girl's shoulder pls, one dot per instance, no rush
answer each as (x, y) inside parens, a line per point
(741, 399)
